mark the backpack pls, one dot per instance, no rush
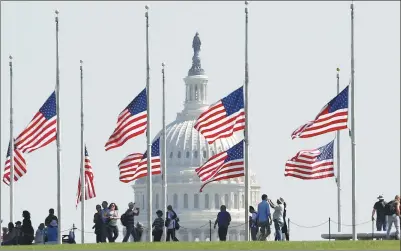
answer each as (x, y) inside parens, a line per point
(123, 220)
(389, 208)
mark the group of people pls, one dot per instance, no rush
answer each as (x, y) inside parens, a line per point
(106, 223)
(23, 233)
(259, 221)
(388, 214)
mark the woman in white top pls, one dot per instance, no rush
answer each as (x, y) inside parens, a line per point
(278, 218)
(112, 227)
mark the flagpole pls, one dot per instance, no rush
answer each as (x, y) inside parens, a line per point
(339, 219)
(246, 151)
(59, 239)
(82, 169)
(149, 140)
(11, 144)
(164, 150)
(354, 237)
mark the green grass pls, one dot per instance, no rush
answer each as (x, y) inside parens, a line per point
(292, 245)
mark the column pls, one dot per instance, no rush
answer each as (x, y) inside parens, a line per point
(190, 235)
(202, 236)
(238, 235)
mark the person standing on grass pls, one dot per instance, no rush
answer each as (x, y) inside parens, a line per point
(112, 227)
(223, 221)
(129, 219)
(285, 229)
(393, 214)
(379, 209)
(97, 219)
(253, 225)
(105, 218)
(278, 218)
(171, 223)
(264, 218)
(158, 226)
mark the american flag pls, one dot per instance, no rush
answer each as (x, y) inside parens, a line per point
(223, 118)
(333, 117)
(128, 167)
(130, 123)
(135, 165)
(312, 164)
(224, 165)
(19, 165)
(42, 130)
(89, 181)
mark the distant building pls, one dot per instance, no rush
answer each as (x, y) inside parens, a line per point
(187, 150)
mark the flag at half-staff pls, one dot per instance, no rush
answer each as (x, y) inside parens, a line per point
(312, 164)
(223, 118)
(223, 166)
(90, 191)
(42, 129)
(19, 165)
(130, 123)
(134, 166)
(333, 117)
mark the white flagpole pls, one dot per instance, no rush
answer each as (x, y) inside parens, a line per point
(338, 165)
(60, 217)
(164, 150)
(83, 190)
(354, 237)
(11, 144)
(149, 139)
(246, 151)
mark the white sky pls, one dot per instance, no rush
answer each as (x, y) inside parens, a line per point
(294, 50)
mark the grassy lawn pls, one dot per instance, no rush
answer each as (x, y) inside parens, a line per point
(293, 245)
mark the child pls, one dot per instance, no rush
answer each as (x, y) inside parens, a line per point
(158, 225)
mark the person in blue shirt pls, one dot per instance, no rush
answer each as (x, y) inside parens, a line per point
(105, 218)
(223, 220)
(253, 225)
(264, 218)
(51, 232)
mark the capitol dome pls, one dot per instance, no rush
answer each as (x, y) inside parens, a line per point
(186, 150)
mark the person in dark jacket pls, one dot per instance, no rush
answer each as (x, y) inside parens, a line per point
(253, 224)
(50, 217)
(158, 226)
(285, 229)
(97, 219)
(130, 222)
(223, 221)
(28, 233)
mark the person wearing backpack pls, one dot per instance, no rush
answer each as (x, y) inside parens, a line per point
(379, 209)
(171, 223)
(127, 219)
(393, 216)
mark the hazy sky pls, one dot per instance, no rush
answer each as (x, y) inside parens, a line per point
(294, 50)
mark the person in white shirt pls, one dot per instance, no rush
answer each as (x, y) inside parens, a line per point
(112, 223)
(278, 218)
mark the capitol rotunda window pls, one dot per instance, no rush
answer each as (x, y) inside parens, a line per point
(185, 200)
(175, 201)
(187, 154)
(204, 153)
(195, 154)
(206, 201)
(179, 155)
(216, 201)
(235, 201)
(171, 155)
(196, 200)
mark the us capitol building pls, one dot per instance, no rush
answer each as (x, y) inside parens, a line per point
(186, 150)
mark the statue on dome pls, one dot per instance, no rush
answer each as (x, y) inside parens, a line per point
(196, 44)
